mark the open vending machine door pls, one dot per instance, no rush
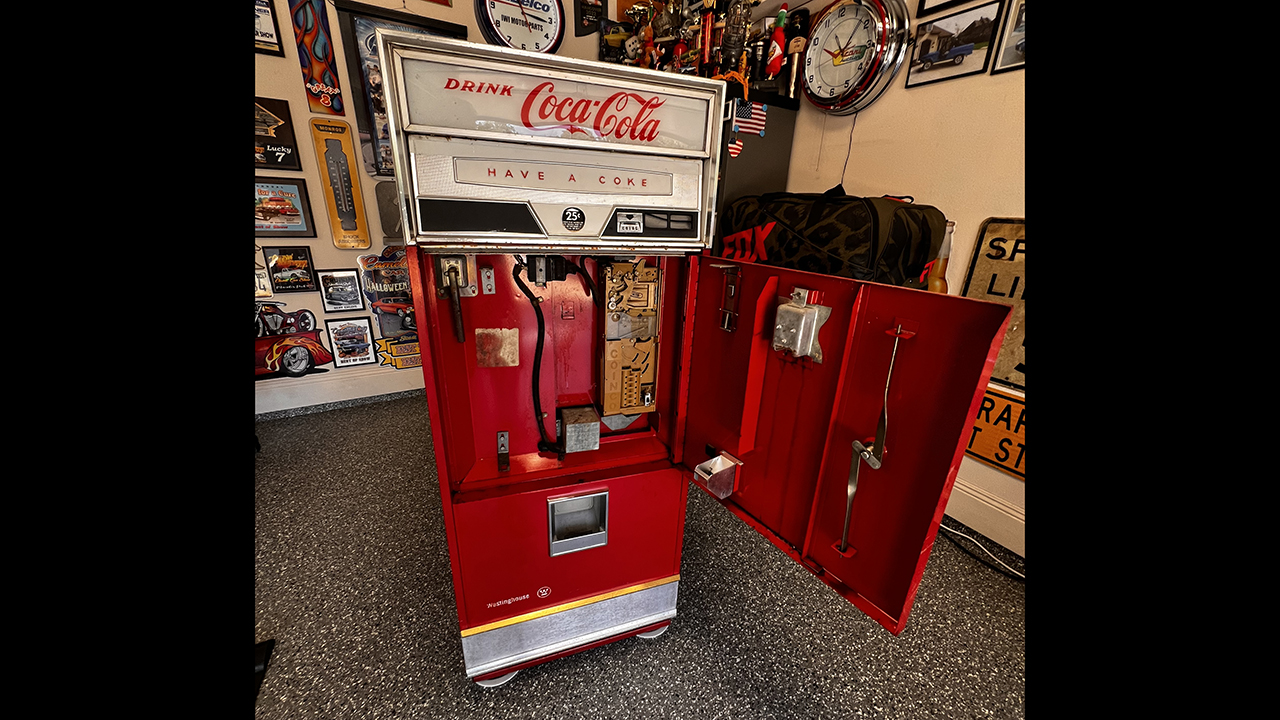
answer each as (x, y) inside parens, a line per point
(832, 414)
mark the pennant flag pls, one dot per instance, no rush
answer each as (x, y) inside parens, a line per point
(735, 148)
(749, 117)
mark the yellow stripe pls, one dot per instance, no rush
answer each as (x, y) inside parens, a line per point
(568, 606)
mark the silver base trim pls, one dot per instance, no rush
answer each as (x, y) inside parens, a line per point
(529, 640)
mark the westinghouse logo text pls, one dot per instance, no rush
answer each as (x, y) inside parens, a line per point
(508, 601)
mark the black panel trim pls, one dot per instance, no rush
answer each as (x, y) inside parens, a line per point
(655, 224)
(476, 216)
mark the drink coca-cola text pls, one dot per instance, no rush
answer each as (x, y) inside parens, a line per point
(482, 88)
(622, 115)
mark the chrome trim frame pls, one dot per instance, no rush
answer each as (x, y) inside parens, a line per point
(492, 650)
(582, 542)
(895, 25)
(454, 52)
(394, 47)
(561, 142)
(899, 34)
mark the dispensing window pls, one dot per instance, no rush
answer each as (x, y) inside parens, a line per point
(578, 523)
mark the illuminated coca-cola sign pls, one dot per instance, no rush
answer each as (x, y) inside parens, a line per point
(621, 114)
(477, 99)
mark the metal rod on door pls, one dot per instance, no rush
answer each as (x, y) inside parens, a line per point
(874, 453)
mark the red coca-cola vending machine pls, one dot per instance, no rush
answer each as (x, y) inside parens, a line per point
(586, 357)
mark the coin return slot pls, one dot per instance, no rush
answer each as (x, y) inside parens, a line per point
(578, 523)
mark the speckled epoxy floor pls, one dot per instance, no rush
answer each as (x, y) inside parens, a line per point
(353, 583)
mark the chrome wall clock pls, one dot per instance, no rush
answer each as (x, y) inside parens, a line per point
(855, 49)
(533, 25)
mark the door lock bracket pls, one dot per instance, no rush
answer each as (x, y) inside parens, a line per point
(798, 323)
(504, 452)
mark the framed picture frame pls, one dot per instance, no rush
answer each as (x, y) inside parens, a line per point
(586, 17)
(266, 38)
(352, 341)
(290, 268)
(340, 290)
(933, 7)
(262, 283)
(274, 144)
(317, 58)
(282, 208)
(1012, 54)
(357, 23)
(954, 46)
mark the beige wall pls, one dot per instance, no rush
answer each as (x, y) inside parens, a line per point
(281, 78)
(957, 145)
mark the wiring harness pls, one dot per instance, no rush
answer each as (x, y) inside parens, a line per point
(546, 444)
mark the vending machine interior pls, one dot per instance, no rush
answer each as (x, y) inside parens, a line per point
(585, 358)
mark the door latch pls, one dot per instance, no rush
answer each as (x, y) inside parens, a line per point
(456, 279)
(729, 302)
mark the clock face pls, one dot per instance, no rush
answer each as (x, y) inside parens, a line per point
(842, 52)
(855, 47)
(533, 25)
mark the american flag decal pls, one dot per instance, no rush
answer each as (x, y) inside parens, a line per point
(749, 117)
(735, 148)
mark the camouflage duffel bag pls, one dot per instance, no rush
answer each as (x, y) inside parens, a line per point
(884, 240)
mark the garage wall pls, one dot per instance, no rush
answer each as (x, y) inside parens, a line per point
(281, 78)
(958, 145)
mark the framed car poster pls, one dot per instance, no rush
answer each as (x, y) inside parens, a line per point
(1012, 54)
(281, 208)
(340, 290)
(357, 23)
(274, 146)
(954, 46)
(290, 269)
(352, 341)
(337, 154)
(266, 35)
(386, 286)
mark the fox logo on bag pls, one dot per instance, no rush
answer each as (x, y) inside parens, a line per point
(875, 239)
(747, 245)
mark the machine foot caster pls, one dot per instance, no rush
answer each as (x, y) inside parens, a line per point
(653, 633)
(495, 682)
